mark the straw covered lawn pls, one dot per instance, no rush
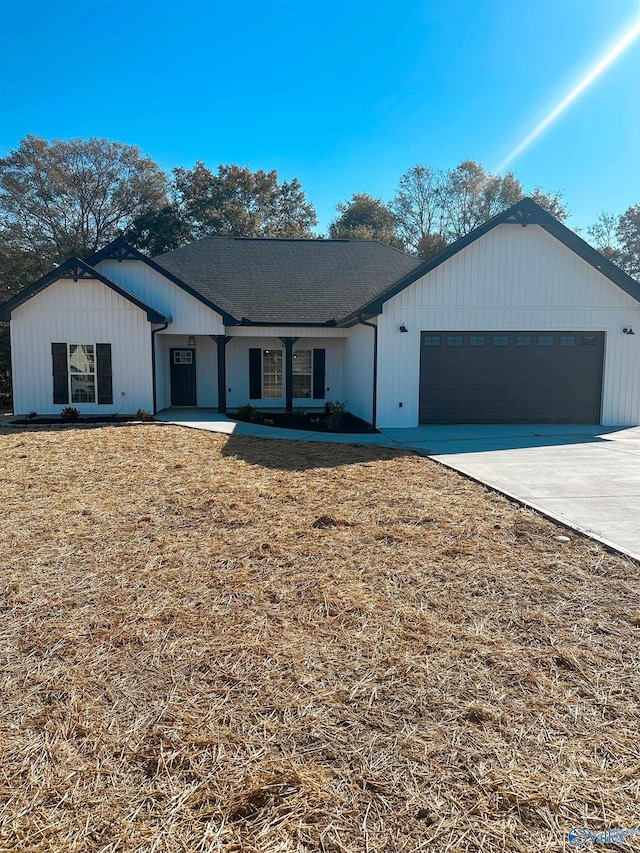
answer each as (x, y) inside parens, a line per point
(230, 644)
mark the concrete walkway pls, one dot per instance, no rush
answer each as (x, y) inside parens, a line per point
(587, 477)
(209, 419)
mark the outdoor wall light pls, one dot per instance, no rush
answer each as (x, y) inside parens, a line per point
(628, 331)
(192, 341)
(403, 328)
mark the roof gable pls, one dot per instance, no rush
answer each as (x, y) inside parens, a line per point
(120, 250)
(76, 270)
(525, 212)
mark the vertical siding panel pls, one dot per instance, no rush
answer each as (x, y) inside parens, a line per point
(189, 315)
(64, 312)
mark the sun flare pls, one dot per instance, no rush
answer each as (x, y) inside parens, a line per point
(618, 48)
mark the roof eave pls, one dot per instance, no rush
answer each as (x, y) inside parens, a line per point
(245, 321)
(525, 212)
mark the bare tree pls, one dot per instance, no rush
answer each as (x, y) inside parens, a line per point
(433, 208)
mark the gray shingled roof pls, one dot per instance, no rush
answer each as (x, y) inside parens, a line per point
(288, 281)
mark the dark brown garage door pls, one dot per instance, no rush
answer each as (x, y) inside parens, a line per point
(510, 377)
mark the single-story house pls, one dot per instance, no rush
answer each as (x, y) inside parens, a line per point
(519, 321)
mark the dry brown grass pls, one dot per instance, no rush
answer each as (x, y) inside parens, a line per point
(215, 644)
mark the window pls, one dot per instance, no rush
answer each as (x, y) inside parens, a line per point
(477, 340)
(567, 340)
(183, 356)
(455, 340)
(82, 374)
(588, 340)
(500, 340)
(545, 340)
(523, 340)
(82, 368)
(271, 373)
(431, 340)
(302, 373)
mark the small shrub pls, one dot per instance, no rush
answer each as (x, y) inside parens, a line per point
(69, 415)
(31, 416)
(250, 413)
(334, 414)
(143, 415)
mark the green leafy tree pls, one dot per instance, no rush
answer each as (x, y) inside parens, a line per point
(69, 197)
(431, 245)
(159, 231)
(236, 202)
(17, 269)
(364, 218)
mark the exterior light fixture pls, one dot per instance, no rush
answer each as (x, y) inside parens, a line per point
(628, 331)
(403, 328)
(192, 341)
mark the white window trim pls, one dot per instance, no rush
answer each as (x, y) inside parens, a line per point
(73, 402)
(282, 372)
(309, 373)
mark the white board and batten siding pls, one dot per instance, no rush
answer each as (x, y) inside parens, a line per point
(189, 316)
(358, 371)
(511, 279)
(82, 312)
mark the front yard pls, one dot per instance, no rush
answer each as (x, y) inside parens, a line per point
(230, 644)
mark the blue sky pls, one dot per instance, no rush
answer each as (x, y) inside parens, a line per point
(344, 96)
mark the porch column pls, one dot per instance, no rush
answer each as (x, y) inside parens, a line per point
(288, 371)
(221, 342)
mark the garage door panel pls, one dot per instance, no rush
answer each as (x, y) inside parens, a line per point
(510, 377)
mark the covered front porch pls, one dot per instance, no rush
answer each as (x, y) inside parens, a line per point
(261, 367)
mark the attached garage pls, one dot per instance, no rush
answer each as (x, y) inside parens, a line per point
(510, 377)
(520, 321)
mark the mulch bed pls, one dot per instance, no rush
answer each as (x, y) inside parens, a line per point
(313, 422)
(216, 643)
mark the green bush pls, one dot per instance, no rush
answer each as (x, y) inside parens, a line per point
(251, 414)
(143, 415)
(69, 415)
(334, 414)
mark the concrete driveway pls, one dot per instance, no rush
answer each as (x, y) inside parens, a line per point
(585, 476)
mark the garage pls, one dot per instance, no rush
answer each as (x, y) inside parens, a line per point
(510, 377)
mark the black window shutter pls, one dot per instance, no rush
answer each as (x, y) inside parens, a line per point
(319, 359)
(60, 374)
(104, 373)
(255, 374)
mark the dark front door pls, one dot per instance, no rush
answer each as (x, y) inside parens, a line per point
(510, 377)
(183, 377)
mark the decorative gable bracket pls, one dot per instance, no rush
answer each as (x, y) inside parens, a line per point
(76, 272)
(119, 251)
(523, 216)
